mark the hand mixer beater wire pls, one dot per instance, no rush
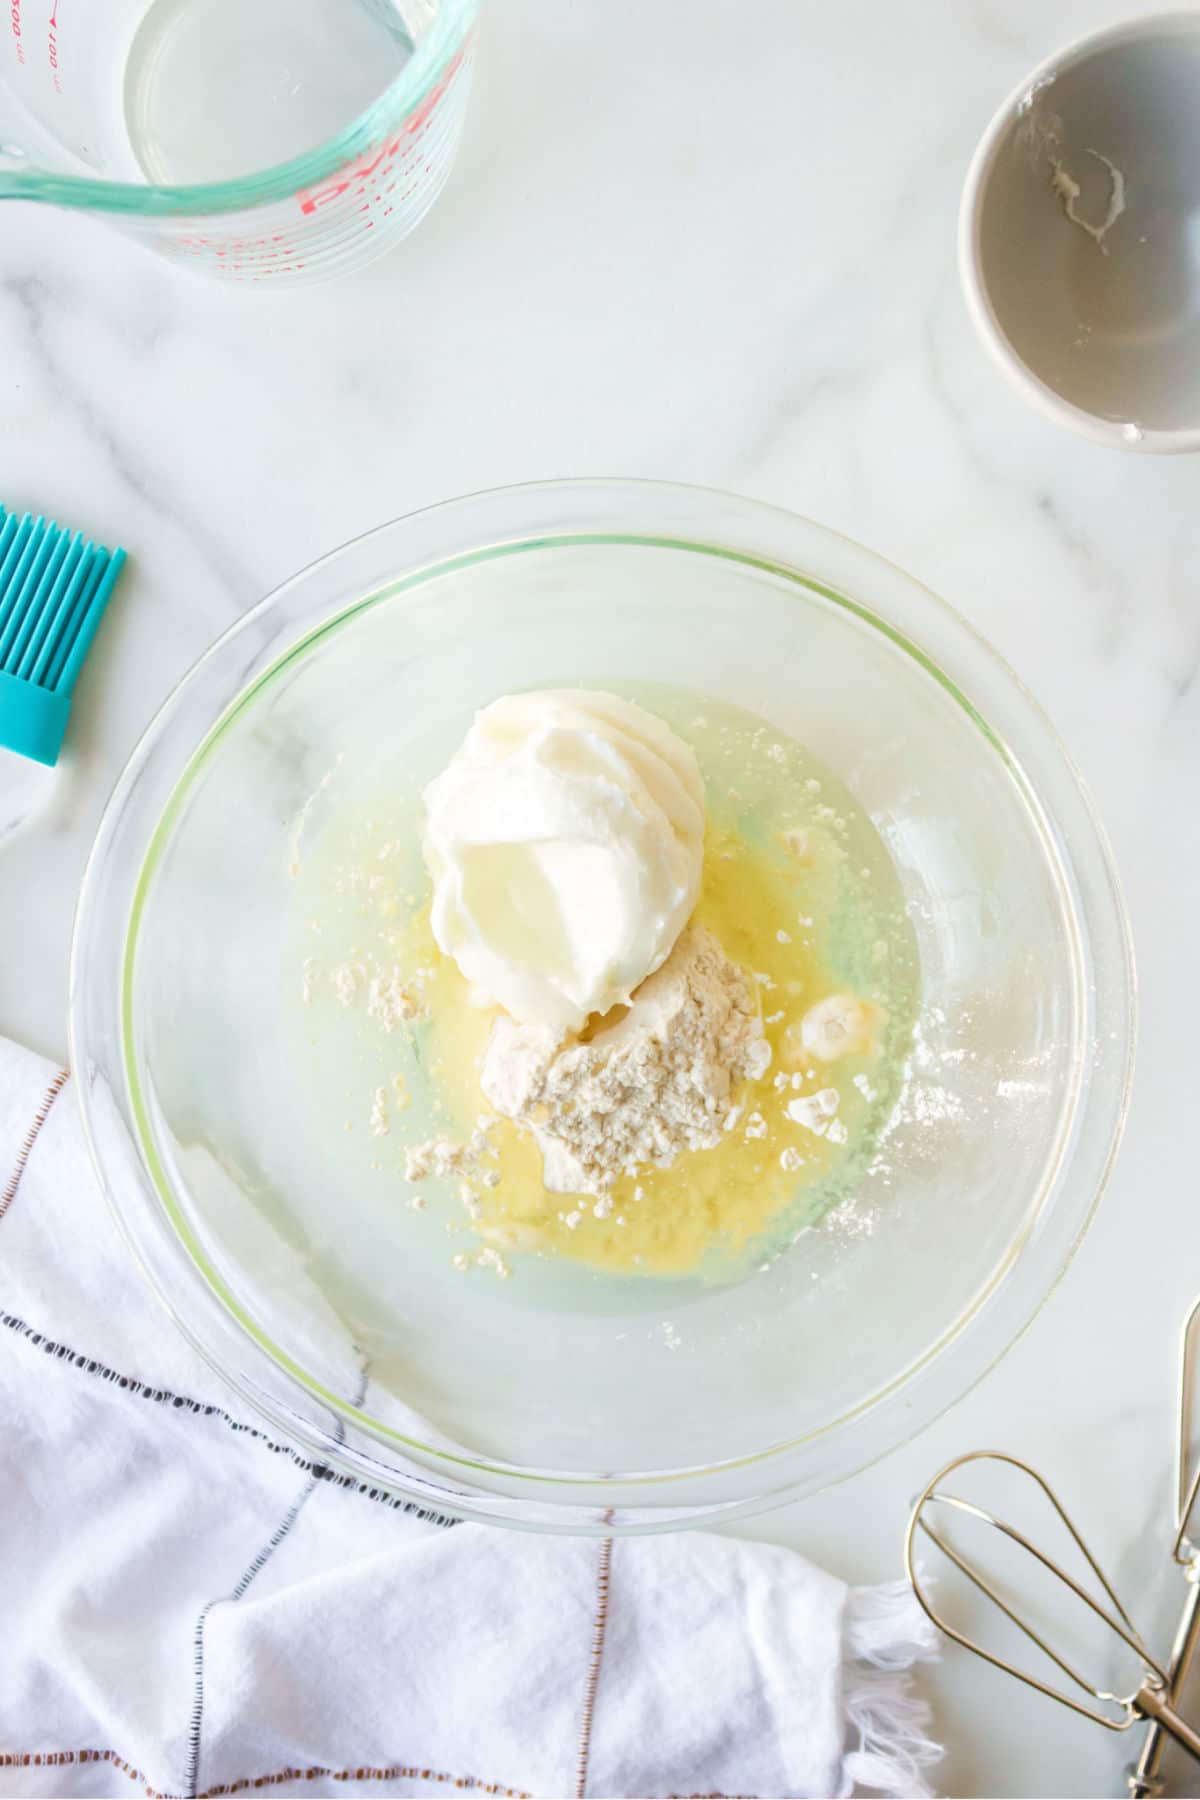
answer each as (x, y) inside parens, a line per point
(1148, 1699)
(1144, 1779)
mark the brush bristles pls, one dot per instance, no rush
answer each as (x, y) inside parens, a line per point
(54, 586)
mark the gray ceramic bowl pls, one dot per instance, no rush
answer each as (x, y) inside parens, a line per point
(1079, 237)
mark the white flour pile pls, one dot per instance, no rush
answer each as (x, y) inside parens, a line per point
(660, 1081)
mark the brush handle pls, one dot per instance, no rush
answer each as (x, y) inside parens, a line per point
(25, 789)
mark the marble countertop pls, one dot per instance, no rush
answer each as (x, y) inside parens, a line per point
(722, 255)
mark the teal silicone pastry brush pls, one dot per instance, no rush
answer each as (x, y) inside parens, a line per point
(54, 587)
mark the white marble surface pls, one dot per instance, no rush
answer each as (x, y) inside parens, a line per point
(720, 254)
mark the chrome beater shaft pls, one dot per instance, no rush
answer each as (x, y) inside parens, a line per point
(1144, 1782)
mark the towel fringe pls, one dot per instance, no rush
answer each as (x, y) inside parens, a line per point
(886, 1635)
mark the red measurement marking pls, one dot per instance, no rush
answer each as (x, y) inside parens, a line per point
(52, 46)
(14, 18)
(356, 175)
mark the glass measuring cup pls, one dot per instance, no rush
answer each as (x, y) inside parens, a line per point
(283, 141)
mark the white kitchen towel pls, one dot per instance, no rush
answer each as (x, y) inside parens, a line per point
(189, 1607)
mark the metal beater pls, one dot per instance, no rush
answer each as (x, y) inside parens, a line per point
(1152, 1695)
(1144, 1777)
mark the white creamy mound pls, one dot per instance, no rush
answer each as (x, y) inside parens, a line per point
(565, 841)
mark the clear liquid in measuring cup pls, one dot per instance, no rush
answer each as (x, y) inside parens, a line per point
(217, 89)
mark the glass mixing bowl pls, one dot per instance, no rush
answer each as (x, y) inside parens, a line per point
(605, 1405)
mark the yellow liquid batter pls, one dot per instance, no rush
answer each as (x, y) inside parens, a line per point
(799, 890)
